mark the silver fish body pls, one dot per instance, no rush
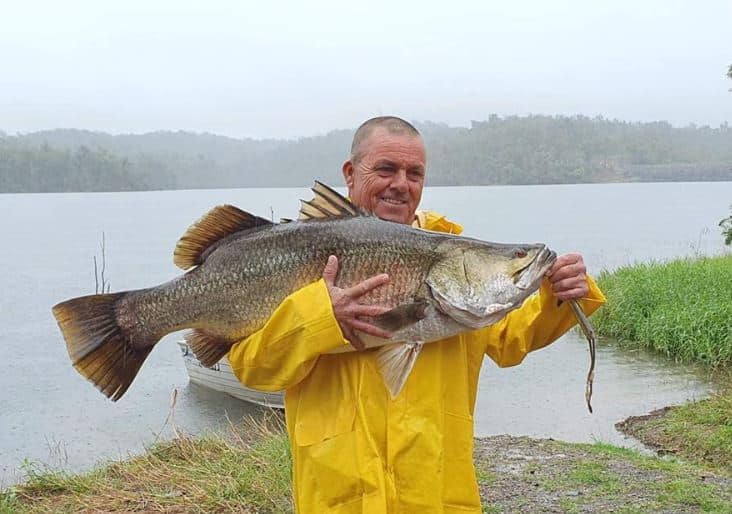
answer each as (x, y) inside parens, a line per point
(242, 267)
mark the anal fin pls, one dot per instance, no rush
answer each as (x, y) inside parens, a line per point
(395, 363)
(208, 348)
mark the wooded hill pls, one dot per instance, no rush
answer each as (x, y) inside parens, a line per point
(509, 150)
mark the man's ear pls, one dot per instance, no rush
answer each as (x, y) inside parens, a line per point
(348, 173)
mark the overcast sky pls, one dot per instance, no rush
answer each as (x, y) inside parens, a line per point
(288, 69)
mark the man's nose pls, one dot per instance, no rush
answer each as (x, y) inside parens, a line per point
(399, 181)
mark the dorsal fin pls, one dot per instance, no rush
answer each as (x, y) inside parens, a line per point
(213, 226)
(327, 203)
(310, 210)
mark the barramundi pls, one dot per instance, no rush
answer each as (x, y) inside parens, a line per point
(240, 267)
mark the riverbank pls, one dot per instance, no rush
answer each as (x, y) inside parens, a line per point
(682, 309)
(696, 431)
(248, 470)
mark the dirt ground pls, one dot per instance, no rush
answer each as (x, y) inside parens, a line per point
(520, 474)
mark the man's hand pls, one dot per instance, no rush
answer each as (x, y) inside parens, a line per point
(346, 306)
(568, 277)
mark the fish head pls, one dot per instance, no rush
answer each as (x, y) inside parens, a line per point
(477, 283)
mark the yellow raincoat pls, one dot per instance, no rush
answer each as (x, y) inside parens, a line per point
(355, 450)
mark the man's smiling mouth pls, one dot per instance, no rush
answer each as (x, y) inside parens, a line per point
(393, 201)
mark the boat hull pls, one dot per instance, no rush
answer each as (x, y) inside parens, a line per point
(221, 378)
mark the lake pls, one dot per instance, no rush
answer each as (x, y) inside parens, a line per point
(49, 414)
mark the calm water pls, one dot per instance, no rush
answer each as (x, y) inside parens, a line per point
(48, 413)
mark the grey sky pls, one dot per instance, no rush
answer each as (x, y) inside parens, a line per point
(288, 69)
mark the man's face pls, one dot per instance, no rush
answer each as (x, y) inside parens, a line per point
(388, 177)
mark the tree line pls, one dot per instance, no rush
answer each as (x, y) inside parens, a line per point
(500, 150)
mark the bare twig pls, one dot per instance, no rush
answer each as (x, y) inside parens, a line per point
(104, 266)
(101, 285)
(170, 417)
(96, 277)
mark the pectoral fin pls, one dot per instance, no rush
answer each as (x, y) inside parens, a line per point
(395, 363)
(401, 316)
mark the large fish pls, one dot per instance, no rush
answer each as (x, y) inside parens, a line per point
(241, 267)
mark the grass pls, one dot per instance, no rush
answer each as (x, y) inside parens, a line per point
(598, 475)
(682, 309)
(588, 475)
(707, 425)
(483, 474)
(247, 470)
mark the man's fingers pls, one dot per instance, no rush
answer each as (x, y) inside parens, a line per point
(568, 276)
(572, 294)
(368, 328)
(367, 285)
(354, 340)
(331, 270)
(570, 270)
(568, 258)
(360, 310)
(564, 261)
(569, 283)
(346, 308)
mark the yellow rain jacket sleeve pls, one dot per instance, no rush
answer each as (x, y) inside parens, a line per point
(356, 450)
(284, 351)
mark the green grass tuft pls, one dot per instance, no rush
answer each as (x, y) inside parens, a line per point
(682, 308)
(699, 431)
(693, 493)
(247, 470)
(597, 474)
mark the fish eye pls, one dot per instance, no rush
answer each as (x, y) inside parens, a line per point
(519, 254)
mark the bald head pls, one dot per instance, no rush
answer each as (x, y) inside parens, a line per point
(390, 124)
(385, 172)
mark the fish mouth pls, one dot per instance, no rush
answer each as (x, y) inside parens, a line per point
(534, 271)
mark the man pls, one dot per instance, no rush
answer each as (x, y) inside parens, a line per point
(355, 450)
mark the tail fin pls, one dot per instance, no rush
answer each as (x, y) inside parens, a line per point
(99, 348)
